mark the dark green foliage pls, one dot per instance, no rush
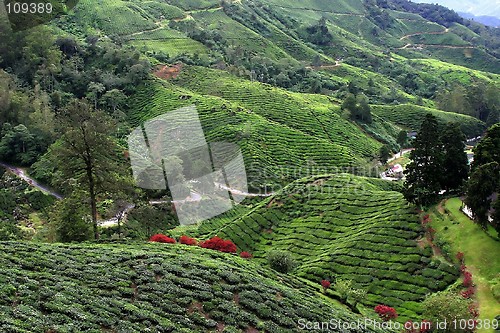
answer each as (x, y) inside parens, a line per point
(485, 177)
(402, 139)
(146, 220)
(281, 261)
(432, 12)
(455, 168)
(423, 174)
(358, 108)
(384, 154)
(18, 145)
(87, 153)
(319, 34)
(71, 220)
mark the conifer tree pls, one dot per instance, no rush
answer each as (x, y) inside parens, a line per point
(422, 183)
(455, 168)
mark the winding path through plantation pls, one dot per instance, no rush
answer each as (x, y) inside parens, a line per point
(122, 214)
(446, 30)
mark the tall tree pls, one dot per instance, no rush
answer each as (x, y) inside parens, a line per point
(384, 154)
(358, 107)
(402, 139)
(87, 153)
(484, 181)
(422, 183)
(455, 168)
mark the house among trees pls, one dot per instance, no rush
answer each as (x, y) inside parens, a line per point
(412, 135)
(395, 171)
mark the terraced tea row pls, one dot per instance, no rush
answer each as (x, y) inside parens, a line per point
(297, 111)
(273, 152)
(157, 287)
(346, 227)
(411, 117)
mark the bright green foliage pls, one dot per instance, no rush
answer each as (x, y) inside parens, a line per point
(348, 227)
(344, 288)
(447, 306)
(157, 287)
(411, 117)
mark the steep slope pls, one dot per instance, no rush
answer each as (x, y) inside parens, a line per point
(150, 287)
(411, 117)
(283, 136)
(347, 227)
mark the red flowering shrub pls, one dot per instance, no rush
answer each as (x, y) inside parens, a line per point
(219, 244)
(473, 310)
(463, 268)
(426, 219)
(245, 255)
(425, 326)
(187, 240)
(325, 284)
(467, 279)
(385, 312)
(460, 257)
(431, 232)
(468, 293)
(160, 238)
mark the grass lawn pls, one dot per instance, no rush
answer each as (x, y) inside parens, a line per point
(481, 251)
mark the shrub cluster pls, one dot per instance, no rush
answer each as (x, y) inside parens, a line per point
(219, 244)
(385, 312)
(245, 255)
(160, 238)
(468, 293)
(460, 257)
(325, 284)
(187, 240)
(281, 261)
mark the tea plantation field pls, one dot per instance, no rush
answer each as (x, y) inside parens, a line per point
(411, 116)
(277, 147)
(149, 288)
(317, 116)
(346, 227)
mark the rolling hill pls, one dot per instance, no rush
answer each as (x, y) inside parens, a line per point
(155, 287)
(345, 227)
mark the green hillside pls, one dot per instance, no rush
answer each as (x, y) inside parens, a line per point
(274, 150)
(345, 227)
(411, 116)
(150, 287)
